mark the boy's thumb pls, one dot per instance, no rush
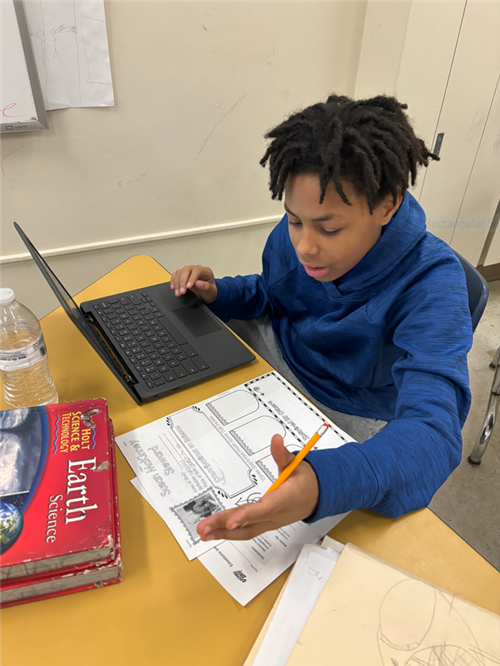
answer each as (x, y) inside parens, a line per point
(282, 457)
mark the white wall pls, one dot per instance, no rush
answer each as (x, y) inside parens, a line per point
(196, 86)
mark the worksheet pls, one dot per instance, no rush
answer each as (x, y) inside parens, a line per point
(215, 455)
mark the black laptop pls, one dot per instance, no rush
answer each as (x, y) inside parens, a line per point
(152, 341)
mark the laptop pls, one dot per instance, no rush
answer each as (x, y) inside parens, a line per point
(152, 341)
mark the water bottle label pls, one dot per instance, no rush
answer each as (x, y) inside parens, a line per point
(18, 359)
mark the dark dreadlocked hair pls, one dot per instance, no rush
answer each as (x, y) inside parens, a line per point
(368, 142)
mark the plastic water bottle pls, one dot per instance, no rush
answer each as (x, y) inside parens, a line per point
(24, 364)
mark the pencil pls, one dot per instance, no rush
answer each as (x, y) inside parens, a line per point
(295, 462)
(298, 458)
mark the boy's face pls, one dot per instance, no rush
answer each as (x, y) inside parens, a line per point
(332, 237)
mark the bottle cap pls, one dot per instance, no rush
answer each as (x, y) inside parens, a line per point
(7, 296)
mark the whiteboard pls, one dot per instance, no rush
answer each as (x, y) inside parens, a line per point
(21, 100)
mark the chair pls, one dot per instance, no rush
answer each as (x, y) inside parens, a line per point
(477, 288)
(478, 291)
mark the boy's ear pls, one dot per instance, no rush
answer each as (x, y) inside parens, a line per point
(388, 208)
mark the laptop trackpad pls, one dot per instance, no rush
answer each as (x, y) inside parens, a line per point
(196, 320)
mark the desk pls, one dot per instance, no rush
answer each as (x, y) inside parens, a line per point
(169, 611)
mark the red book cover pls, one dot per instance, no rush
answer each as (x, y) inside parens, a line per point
(58, 496)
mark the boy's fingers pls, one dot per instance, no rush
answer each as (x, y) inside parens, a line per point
(215, 521)
(247, 515)
(175, 279)
(181, 279)
(198, 278)
(243, 534)
(189, 275)
(257, 512)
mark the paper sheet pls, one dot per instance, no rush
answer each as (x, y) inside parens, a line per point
(303, 588)
(373, 613)
(214, 456)
(331, 544)
(71, 51)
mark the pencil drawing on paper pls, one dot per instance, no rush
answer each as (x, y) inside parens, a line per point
(419, 625)
(54, 33)
(57, 32)
(315, 573)
(71, 50)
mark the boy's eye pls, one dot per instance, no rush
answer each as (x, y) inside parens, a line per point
(325, 232)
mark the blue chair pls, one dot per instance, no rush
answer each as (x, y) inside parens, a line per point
(477, 288)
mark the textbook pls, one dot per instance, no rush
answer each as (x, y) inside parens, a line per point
(58, 495)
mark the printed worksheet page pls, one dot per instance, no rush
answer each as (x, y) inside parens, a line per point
(215, 455)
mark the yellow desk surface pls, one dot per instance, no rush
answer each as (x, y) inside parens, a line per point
(169, 611)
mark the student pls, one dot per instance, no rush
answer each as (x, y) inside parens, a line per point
(359, 306)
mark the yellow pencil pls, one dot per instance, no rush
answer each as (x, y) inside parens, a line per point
(298, 458)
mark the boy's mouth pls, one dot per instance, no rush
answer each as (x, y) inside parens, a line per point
(316, 271)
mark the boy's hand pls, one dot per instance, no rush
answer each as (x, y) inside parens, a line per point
(199, 279)
(294, 500)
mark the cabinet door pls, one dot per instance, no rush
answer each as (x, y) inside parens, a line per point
(431, 39)
(407, 51)
(482, 192)
(468, 104)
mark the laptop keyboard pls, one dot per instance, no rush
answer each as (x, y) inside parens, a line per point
(153, 346)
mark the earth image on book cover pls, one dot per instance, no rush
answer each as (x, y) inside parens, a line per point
(23, 447)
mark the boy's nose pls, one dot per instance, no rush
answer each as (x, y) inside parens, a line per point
(308, 246)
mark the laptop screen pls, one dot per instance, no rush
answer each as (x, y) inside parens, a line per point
(62, 295)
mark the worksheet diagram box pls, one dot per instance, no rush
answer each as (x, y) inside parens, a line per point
(233, 406)
(287, 405)
(225, 469)
(256, 435)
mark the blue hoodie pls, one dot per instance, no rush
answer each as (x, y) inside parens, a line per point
(388, 340)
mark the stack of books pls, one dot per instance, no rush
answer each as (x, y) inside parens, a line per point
(59, 518)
